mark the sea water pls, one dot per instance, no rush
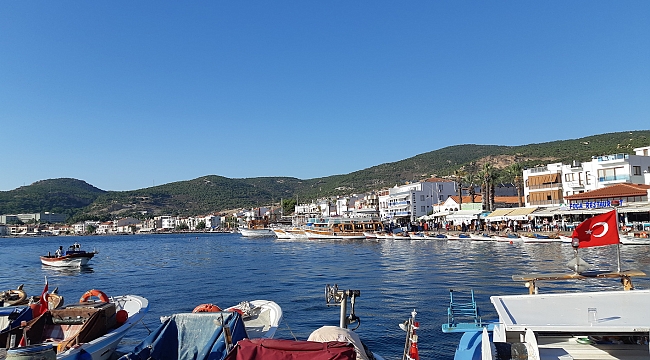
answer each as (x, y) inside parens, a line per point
(177, 272)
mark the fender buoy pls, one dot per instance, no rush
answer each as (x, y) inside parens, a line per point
(94, 292)
(121, 316)
(206, 308)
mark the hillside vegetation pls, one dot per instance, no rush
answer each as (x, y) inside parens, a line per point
(216, 193)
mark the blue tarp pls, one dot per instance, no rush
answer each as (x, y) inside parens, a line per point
(193, 336)
(15, 315)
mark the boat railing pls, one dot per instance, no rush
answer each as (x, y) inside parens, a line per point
(462, 315)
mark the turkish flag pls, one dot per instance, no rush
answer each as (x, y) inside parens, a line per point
(597, 231)
(43, 305)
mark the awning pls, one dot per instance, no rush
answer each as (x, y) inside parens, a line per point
(546, 211)
(520, 213)
(645, 207)
(463, 215)
(498, 214)
(442, 213)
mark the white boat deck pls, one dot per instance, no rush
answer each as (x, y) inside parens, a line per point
(616, 312)
(567, 348)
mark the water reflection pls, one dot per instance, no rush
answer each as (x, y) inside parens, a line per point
(66, 271)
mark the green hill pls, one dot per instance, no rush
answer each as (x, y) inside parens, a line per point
(216, 193)
(62, 196)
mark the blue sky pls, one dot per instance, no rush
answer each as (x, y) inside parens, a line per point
(125, 95)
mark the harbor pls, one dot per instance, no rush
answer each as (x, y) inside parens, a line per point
(394, 278)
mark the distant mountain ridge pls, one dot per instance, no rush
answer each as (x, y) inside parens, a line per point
(212, 193)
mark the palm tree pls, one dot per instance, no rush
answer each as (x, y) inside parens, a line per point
(495, 175)
(470, 181)
(514, 174)
(489, 175)
(458, 175)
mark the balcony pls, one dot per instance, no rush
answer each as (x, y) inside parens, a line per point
(613, 157)
(545, 186)
(402, 213)
(614, 178)
(546, 202)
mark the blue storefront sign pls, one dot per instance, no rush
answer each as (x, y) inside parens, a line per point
(594, 204)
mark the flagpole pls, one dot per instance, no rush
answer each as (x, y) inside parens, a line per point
(618, 246)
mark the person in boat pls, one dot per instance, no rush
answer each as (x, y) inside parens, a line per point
(59, 252)
(77, 246)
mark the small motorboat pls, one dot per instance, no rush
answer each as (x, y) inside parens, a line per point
(482, 237)
(208, 332)
(509, 238)
(86, 330)
(73, 257)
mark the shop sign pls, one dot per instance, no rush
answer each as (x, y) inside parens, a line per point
(595, 204)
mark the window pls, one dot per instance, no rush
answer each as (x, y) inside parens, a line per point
(423, 209)
(421, 197)
(636, 170)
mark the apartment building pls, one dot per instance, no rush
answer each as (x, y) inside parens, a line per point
(548, 185)
(406, 203)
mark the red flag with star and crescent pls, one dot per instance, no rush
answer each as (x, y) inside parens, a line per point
(597, 231)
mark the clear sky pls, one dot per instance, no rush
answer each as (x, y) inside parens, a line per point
(127, 94)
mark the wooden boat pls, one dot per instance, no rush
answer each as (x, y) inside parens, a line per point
(281, 233)
(73, 257)
(508, 238)
(208, 332)
(343, 229)
(258, 227)
(13, 297)
(458, 236)
(87, 330)
(482, 237)
(540, 239)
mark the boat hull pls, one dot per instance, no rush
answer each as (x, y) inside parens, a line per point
(256, 232)
(74, 260)
(104, 346)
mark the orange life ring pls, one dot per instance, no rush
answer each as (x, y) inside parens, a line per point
(206, 308)
(94, 292)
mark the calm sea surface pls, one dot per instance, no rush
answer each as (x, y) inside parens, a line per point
(177, 272)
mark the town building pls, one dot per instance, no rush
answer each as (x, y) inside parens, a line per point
(405, 203)
(44, 217)
(548, 185)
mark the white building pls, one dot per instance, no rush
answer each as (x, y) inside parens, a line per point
(408, 202)
(548, 185)
(105, 228)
